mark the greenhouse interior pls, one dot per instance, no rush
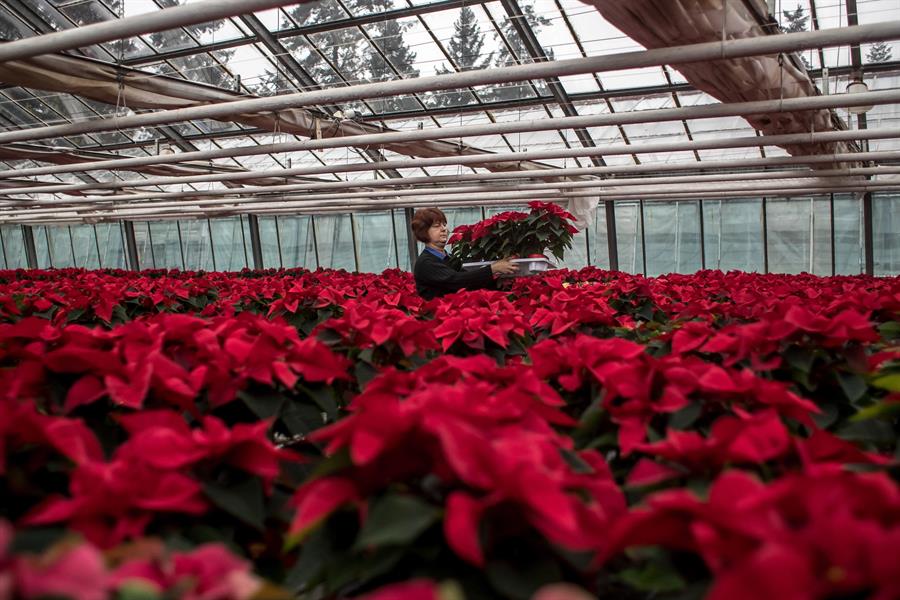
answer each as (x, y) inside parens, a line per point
(449, 299)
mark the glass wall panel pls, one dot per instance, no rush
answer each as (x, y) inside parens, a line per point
(41, 245)
(672, 235)
(60, 247)
(403, 234)
(733, 235)
(886, 233)
(297, 241)
(849, 252)
(799, 235)
(13, 247)
(195, 245)
(145, 251)
(228, 244)
(246, 240)
(166, 245)
(576, 256)
(377, 243)
(597, 238)
(628, 234)
(85, 244)
(335, 242)
(268, 240)
(112, 250)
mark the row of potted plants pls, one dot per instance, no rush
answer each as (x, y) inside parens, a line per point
(210, 435)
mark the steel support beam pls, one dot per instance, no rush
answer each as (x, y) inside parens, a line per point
(151, 22)
(255, 242)
(30, 250)
(132, 260)
(868, 234)
(790, 42)
(411, 245)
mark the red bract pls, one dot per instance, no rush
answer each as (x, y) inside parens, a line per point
(21, 426)
(209, 572)
(749, 439)
(172, 358)
(814, 535)
(110, 502)
(163, 440)
(78, 573)
(474, 317)
(367, 325)
(478, 436)
(638, 386)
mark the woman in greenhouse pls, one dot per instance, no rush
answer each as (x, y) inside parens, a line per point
(434, 274)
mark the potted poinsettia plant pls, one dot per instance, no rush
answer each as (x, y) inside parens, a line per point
(526, 236)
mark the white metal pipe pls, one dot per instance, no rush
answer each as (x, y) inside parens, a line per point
(386, 204)
(609, 184)
(616, 149)
(706, 111)
(117, 29)
(769, 44)
(465, 197)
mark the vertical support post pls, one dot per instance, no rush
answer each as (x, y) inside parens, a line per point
(587, 244)
(312, 224)
(702, 235)
(278, 242)
(643, 239)
(831, 231)
(181, 245)
(3, 250)
(131, 253)
(394, 237)
(612, 242)
(868, 234)
(255, 242)
(97, 245)
(410, 238)
(354, 242)
(30, 252)
(72, 246)
(212, 246)
(765, 232)
(46, 230)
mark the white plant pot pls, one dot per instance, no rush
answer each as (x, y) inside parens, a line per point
(527, 266)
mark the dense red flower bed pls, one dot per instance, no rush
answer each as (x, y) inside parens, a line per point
(589, 433)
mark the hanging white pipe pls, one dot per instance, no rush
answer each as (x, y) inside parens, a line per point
(381, 205)
(708, 51)
(608, 185)
(118, 29)
(617, 149)
(469, 197)
(380, 183)
(706, 111)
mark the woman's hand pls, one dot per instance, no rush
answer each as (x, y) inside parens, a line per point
(504, 267)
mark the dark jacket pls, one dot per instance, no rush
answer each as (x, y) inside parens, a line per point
(436, 277)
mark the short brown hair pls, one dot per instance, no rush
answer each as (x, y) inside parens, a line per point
(424, 219)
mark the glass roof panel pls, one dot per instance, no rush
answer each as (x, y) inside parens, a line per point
(632, 78)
